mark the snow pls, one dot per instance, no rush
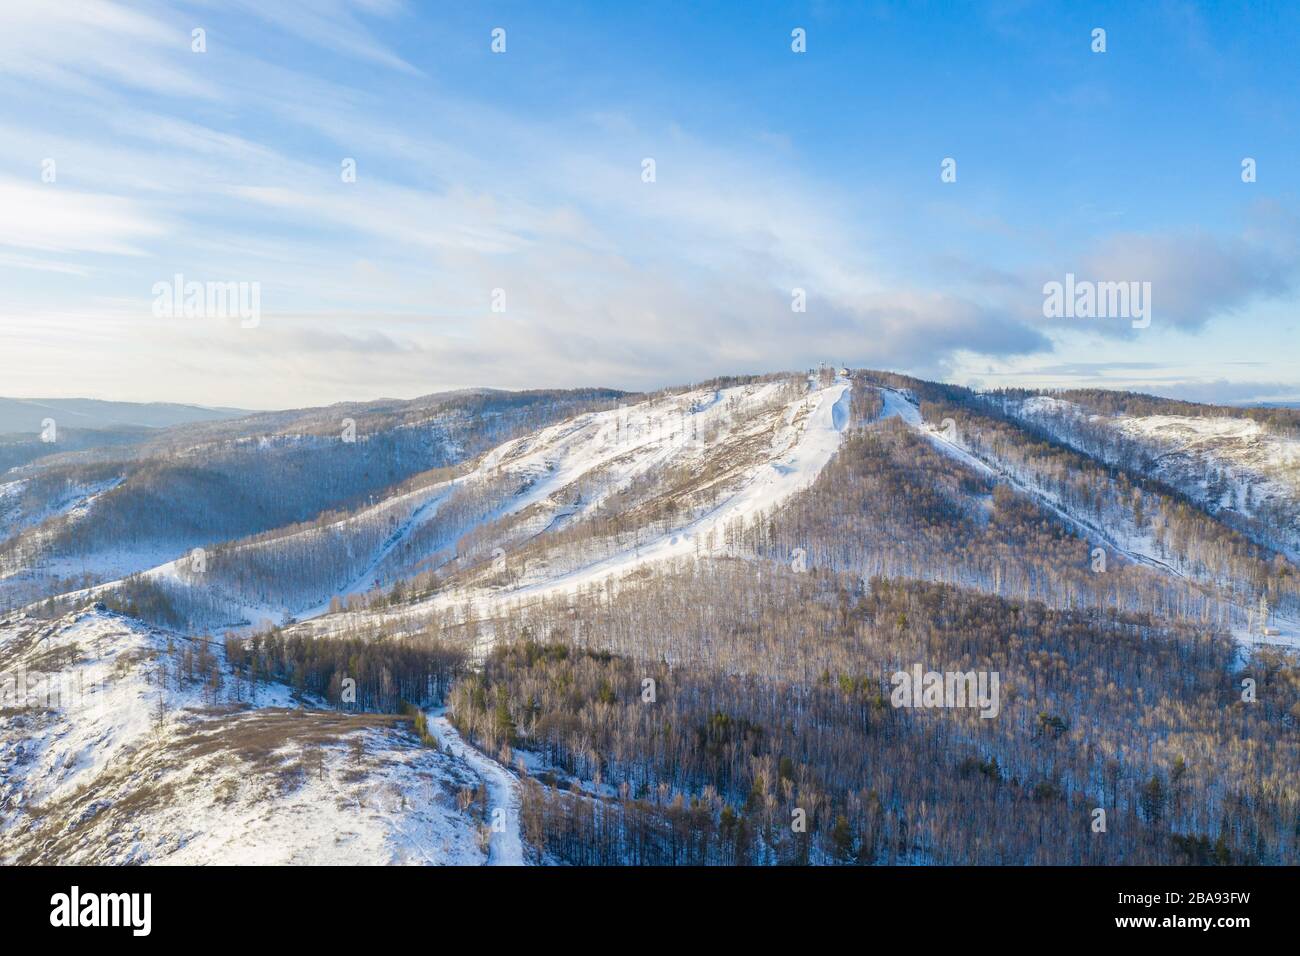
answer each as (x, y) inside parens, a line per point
(106, 696)
(1132, 544)
(1047, 405)
(1232, 465)
(792, 469)
(898, 405)
(793, 466)
(73, 501)
(759, 443)
(506, 846)
(101, 773)
(618, 446)
(422, 513)
(415, 508)
(1242, 444)
(397, 813)
(1250, 456)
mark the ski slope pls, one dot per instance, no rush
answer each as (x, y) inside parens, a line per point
(758, 442)
(787, 448)
(1233, 466)
(790, 471)
(1131, 546)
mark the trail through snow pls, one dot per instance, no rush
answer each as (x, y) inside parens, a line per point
(368, 578)
(507, 846)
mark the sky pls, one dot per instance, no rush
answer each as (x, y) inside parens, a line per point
(502, 227)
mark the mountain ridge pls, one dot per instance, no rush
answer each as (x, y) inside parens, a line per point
(753, 558)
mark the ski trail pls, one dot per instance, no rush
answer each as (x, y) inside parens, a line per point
(417, 518)
(422, 512)
(897, 404)
(792, 470)
(367, 578)
(507, 846)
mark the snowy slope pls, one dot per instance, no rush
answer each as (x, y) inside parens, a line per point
(1135, 545)
(1258, 466)
(680, 467)
(206, 484)
(1233, 466)
(794, 460)
(737, 453)
(108, 756)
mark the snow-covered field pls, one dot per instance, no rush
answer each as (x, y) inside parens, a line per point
(108, 756)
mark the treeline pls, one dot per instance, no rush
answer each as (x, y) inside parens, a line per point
(387, 674)
(161, 602)
(569, 828)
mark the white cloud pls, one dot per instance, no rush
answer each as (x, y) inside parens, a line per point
(75, 44)
(52, 218)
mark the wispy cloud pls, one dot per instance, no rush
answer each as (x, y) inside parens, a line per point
(46, 218)
(226, 166)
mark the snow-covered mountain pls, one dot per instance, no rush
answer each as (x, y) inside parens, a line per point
(550, 533)
(71, 519)
(602, 495)
(642, 482)
(514, 568)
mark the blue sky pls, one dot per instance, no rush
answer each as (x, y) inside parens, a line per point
(522, 171)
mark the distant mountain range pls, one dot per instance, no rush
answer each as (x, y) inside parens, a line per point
(24, 415)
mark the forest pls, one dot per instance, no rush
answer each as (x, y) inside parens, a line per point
(775, 698)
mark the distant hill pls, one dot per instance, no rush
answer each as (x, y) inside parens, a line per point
(24, 415)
